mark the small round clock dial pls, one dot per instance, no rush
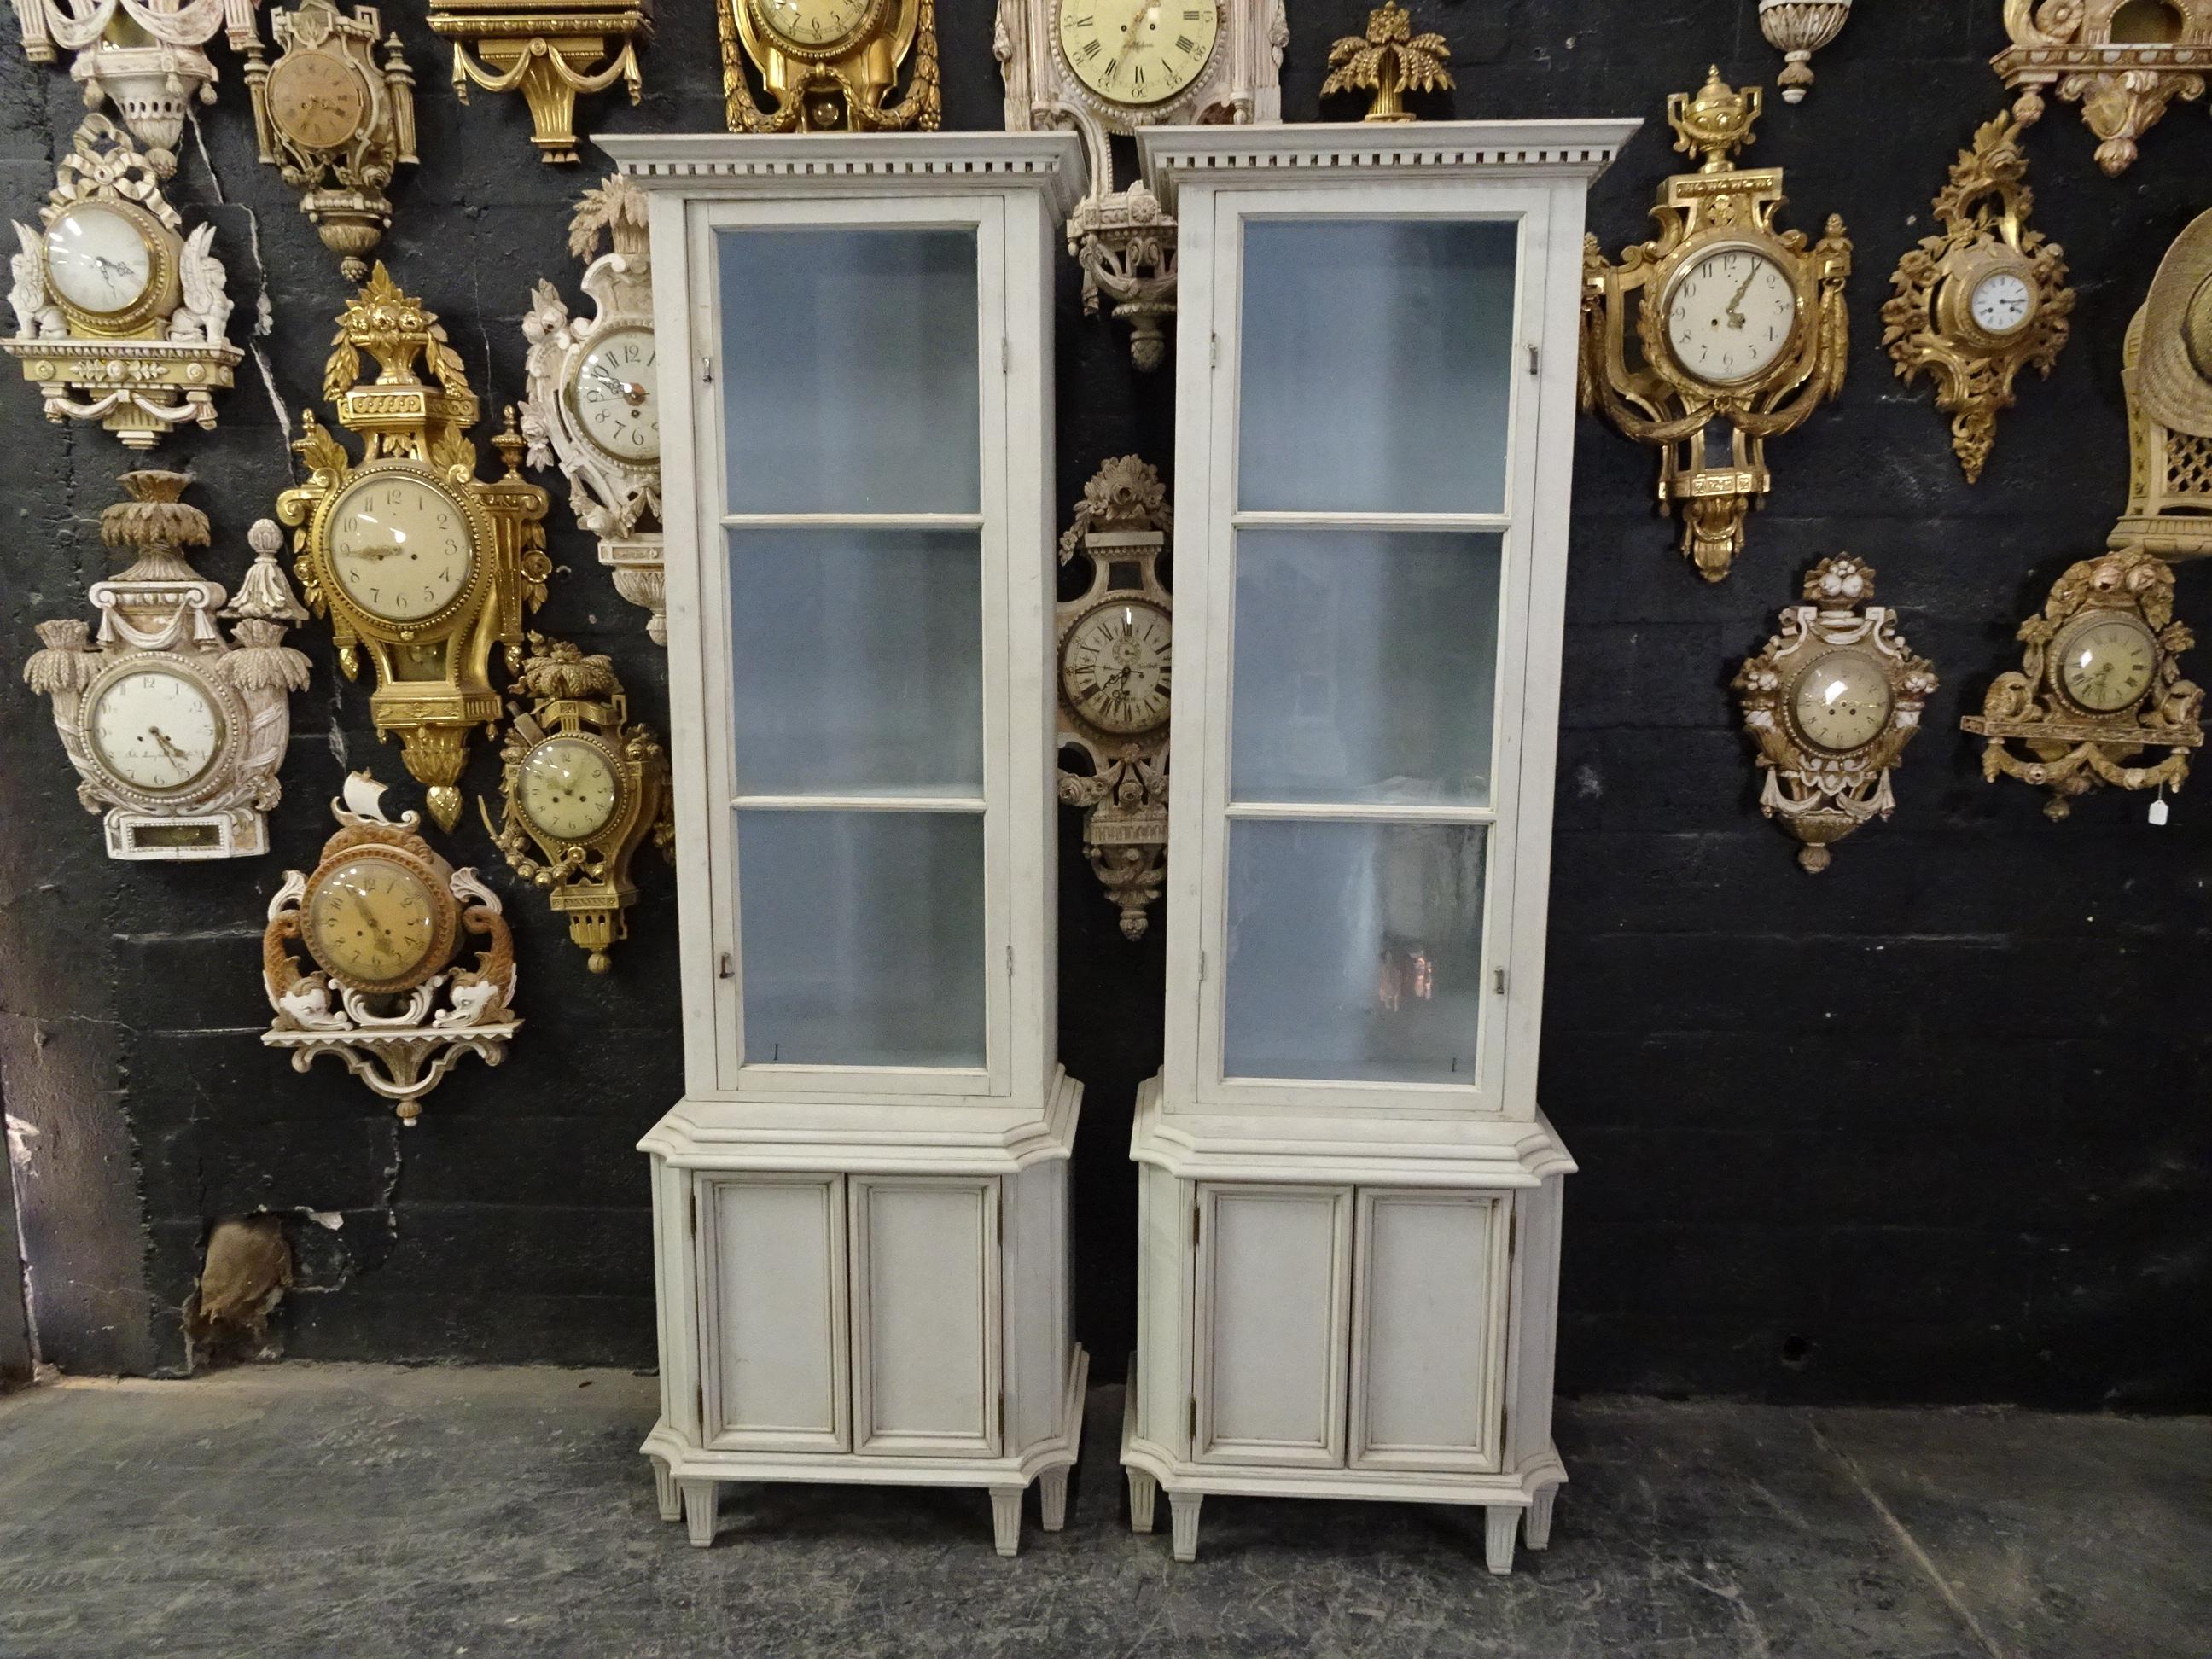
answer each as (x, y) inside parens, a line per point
(1116, 667)
(569, 788)
(1137, 52)
(155, 729)
(1842, 701)
(372, 920)
(614, 396)
(98, 260)
(811, 25)
(1730, 314)
(317, 99)
(2002, 303)
(400, 546)
(2106, 664)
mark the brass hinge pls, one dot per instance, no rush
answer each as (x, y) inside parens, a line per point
(1197, 1215)
(1193, 1419)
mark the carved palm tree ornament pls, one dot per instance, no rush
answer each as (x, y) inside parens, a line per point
(1389, 61)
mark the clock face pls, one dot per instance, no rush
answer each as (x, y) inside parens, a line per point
(1116, 667)
(812, 25)
(1842, 701)
(2106, 663)
(317, 99)
(1137, 52)
(568, 788)
(97, 259)
(399, 546)
(1730, 315)
(372, 920)
(2002, 303)
(155, 729)
(614, 396)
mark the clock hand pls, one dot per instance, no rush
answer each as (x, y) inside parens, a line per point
(167, 748)
(391, 551)
(1130, 37)
(1736, 318)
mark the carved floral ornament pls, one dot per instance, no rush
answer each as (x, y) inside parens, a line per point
(2123, 61)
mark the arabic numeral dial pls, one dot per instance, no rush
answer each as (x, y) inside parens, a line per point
(154, 729)
(1730, 314)
(615, 395)
(400, 547)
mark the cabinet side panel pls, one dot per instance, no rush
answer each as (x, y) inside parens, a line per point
(1535, 1333)
(1272, 1289)
(1164, 1287)
(1428, 1324)
(775, 1273)
(1036, 1340)
(925, 1379)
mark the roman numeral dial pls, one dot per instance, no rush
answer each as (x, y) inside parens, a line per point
(1138, 52)
(1115, 667)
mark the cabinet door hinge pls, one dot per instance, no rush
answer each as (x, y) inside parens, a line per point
(706, 370)
(1201, 967)
(1010, 961)
(725, 967)
(1194, 1421)
(1536, 357)
(1005, 354)
(1498, 978)
(1213, 352)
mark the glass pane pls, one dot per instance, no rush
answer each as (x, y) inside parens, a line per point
(848, 370)
(1366, 667)
(863, 938)
(1377, 365)
(1355, 951)
(857, 661)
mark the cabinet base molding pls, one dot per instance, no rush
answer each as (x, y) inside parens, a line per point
(695, 1475)
(1513, 1504)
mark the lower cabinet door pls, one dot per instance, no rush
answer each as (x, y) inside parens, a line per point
(1428, 1324)
(1269, 1360)
(772, 1274)
(925, 1316)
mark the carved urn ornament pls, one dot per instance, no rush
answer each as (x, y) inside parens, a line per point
(382, 917)
(1116, 663)
(593, 402)
(142, 56)
(2123, 61)
(2166, 366)
(1719, 333)
(119, 316)
(550, 51)
(176, 732)
(2098, 686)
(1113, 68)
(1389, 61)
(1831, 703)
(1982, 300)
(415, 560)
(1797, 30)
(334, 121)
(829, 65)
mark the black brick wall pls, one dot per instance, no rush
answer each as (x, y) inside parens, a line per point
(1928, 1127)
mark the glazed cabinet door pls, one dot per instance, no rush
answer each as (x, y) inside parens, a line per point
(1274, 1269)
(925, 1379)
(772, 1272)
(1428, 1322)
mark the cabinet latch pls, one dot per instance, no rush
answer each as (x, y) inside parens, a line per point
(1536, 357)
(706, 370)
(728, 968)
(1498, 978)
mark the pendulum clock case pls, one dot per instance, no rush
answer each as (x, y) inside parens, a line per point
(860, 1203)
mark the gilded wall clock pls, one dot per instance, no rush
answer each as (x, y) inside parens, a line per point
(414, 558)
(176, 732)
(594, 402)
(550, 51)
(1720, 332)
(335, 121)
(1116, 666)
(143, 56)
(384, 917)
(2098, 688)
(2166, 366)
(1982, 300)
(120, 315)
(829, 65)
(584, 787)
(1831, 703)
(1115, 67)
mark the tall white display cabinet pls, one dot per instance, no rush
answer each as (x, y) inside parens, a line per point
(860, 1203)
(1349, 1202)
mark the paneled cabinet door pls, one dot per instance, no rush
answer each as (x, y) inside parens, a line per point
(1428, 1321)
(1273, 1279)
(926, 1317)
(772, 1272)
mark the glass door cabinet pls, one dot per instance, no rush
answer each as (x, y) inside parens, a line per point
(861, 1203)
(1350, 1202)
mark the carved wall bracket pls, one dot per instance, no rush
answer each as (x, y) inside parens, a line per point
(2123, 61)
(1797, 30)
(552, 51)
(1126, 246)
(143, 57)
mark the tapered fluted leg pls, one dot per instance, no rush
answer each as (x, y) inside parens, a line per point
(1182, 1507)
(1143, 1489)
(1007, 1519)
(701, 1501)
(1536, 1530)
(1052, 1498)
(665, 1492)
(1501, 1522)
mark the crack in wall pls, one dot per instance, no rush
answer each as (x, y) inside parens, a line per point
(264, 316)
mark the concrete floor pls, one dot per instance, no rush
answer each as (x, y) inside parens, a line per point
(363, 1511)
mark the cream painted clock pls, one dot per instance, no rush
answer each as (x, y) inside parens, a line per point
(1116, 664)
(1116, 67)
(414, 558)
(120, 315)
(593, 402)
(176, 732)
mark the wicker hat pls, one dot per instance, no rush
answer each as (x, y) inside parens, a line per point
(2173, 376)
